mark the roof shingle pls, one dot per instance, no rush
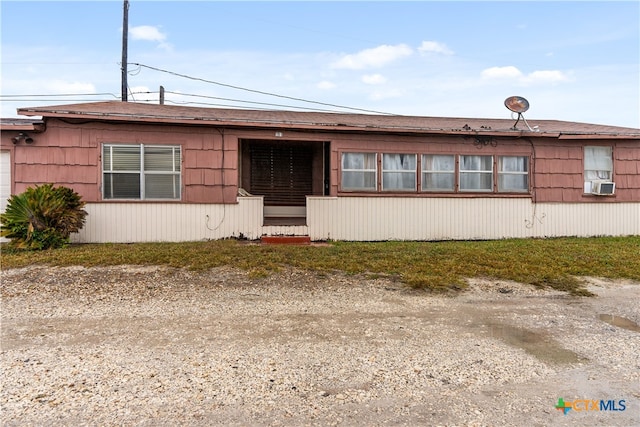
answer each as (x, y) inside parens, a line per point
(144, 112)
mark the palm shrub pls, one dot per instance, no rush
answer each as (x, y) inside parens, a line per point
(43, 217)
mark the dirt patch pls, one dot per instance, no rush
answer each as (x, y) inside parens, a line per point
(161, 346)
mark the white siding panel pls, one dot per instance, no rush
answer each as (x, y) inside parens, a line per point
(5, 179)
(593, 219)
(5, 182)
(361, 219)
(378, 218)
(171, 222)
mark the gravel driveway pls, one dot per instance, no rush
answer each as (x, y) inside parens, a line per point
(155, 346)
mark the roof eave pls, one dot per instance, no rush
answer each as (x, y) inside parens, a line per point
(62, 112)
(270, 124)
(33, 127)
(598, 136)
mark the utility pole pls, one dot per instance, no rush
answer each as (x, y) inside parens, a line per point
(125, 37)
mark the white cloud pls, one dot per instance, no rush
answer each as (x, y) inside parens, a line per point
(509, 72)
(147, 32)
(325, 85)
(374, 79)
(434, 47)
(150, 33)
(373, 58)
(514, 74)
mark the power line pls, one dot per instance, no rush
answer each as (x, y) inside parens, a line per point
(238, 100)
(256, 91)
(59, 94)
(24, 97)
(277, 107)
(45, 97)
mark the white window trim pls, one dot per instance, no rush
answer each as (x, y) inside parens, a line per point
(587, 181)
(465, 171)
(141, 172)
(526, 173)
(374, 170)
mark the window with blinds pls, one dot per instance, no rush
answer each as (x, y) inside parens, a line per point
(141, 172)
(281, 173)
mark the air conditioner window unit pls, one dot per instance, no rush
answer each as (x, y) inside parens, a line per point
(603, 188)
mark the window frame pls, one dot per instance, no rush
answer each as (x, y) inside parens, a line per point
(413, 171)
(465, 172)
(501, 173)
(457, 173)
(175, 172)
(363, 170)
(424, 172)
(587, 182)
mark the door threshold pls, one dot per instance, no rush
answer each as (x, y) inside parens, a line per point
(277, 220)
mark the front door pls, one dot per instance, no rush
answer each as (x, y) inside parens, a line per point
(282, 173)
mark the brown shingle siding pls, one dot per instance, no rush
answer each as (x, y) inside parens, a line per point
(193, 177)
(212, 177)
(627, 153)
(627, 167)
(55, 156)
(202, 159)
(81, 156)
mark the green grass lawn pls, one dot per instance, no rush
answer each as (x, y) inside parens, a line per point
(554, 263)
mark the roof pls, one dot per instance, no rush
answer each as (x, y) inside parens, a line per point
(344, 122)
(21, 124)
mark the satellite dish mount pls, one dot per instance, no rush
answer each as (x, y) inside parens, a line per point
(519, 105)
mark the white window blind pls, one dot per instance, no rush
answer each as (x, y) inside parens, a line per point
(141, 172)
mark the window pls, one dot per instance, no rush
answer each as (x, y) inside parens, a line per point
(598, 165)
(399, 172)
(359, 171)
(141, 172)
(438, 172)
(513, 174)
(476, 173)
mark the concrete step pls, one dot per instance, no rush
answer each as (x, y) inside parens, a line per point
(285, 240)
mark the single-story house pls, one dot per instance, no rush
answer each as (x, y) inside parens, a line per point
(173, 173)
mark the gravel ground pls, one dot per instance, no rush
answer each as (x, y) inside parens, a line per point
(155, 346)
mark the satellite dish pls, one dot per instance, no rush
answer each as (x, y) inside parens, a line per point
(517, 104)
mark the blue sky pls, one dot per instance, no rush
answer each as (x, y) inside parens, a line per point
(575, 61)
